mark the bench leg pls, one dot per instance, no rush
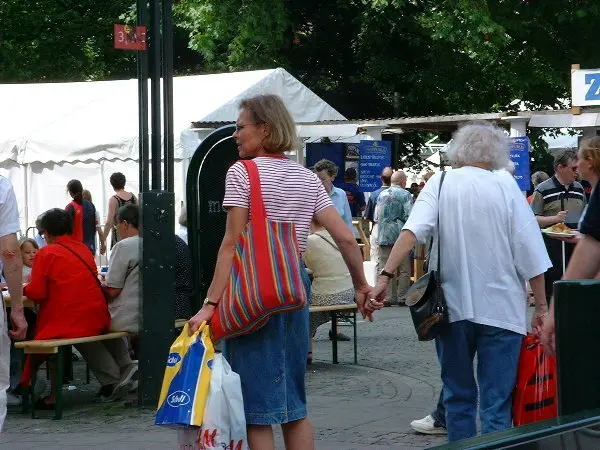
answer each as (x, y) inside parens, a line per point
(58, 379)
(334, 335)
(30, 394)
(87, 373)
(355, 341)
(68, 368)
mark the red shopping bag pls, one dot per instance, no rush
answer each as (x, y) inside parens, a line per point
(535, 397)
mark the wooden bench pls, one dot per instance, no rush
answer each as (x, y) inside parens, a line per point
(56, 346)
(334, 311)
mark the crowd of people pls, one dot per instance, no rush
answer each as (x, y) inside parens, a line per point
(58, 268)
(486, 232)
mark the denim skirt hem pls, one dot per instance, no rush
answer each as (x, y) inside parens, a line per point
(276, 418)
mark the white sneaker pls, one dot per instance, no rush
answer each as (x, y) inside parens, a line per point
(427, 425)
(125, 384)
(13, 400)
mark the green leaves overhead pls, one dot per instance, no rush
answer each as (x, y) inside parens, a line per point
(235, 34)
(368, 58)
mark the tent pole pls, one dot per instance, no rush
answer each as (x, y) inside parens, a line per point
(142, 73)
(167, 71)
(26, 194)
(155, 65)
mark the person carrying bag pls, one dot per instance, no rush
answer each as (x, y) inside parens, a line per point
(426, 299)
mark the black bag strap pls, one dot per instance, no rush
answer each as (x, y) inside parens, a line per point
(85, 264)
(328, 241)
(439, 253)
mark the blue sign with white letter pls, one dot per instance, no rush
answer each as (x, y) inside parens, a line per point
(519, 155)
(593, 93)
(374, 156)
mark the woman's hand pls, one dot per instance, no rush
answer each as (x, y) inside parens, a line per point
(365, 304)
(204, 315)
(537, 321)
(547, 334)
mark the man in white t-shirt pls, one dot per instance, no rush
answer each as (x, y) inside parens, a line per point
(12, 266)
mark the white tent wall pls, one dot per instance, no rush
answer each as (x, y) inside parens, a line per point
(54, 132)
(41, 186)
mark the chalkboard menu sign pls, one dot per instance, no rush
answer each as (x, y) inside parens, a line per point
(374, 157)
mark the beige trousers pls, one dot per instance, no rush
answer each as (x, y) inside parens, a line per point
(401, 282)
(107, 360)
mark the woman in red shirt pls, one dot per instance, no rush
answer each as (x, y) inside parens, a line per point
(64, 284)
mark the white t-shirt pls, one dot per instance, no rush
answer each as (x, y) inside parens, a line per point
(9, 211)
(491, 244)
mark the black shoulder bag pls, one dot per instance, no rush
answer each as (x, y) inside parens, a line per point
(426, 299)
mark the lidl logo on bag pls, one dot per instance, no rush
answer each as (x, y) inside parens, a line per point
(173, 359)
(178, 398)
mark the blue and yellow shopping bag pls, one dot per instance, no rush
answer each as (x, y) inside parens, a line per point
(187, 379)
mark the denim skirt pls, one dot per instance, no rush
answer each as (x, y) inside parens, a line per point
(271, 363)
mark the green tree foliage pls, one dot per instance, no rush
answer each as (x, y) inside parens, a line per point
(441, 56)
(50, 40)
(66, 40)
(369, 58)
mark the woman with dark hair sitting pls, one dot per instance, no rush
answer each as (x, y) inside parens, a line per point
(64, 285)
(83, 215)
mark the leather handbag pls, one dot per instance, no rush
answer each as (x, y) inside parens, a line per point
(267, 274)
(426, 298)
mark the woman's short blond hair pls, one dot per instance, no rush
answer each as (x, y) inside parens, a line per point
(270, 109)
(590, 150)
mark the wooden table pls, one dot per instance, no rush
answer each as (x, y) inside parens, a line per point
(26, 302)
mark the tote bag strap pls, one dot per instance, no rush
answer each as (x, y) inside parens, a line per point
(258, 220)
(258, 214)
(439, 253)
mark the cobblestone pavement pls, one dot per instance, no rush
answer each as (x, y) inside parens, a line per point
(368, 406)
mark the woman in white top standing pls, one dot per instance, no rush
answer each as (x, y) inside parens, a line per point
(271, 361)
(331, 284)
(490, 245)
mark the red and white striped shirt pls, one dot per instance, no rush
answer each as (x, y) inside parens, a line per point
(291, 192)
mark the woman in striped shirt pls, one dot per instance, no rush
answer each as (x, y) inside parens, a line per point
(271, 361)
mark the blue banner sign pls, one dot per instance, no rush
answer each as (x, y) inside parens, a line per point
(374, 157)
(519, 155)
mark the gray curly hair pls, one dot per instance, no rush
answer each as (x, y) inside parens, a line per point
(479, 142)
(328, 166)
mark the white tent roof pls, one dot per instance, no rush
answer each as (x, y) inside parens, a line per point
(68, 122)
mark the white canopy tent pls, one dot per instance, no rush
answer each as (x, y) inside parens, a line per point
(51, 133)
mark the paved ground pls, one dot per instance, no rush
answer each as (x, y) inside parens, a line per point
(352, 407)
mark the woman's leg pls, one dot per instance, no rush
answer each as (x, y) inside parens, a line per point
(260, 437)
(298, 435)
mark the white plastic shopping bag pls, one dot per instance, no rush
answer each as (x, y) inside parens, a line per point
(224, 423)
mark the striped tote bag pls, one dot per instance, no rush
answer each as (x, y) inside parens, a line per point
(266, 276)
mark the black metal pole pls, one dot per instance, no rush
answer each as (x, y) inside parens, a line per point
(155, 67)
(142, 71)
(167, 65)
